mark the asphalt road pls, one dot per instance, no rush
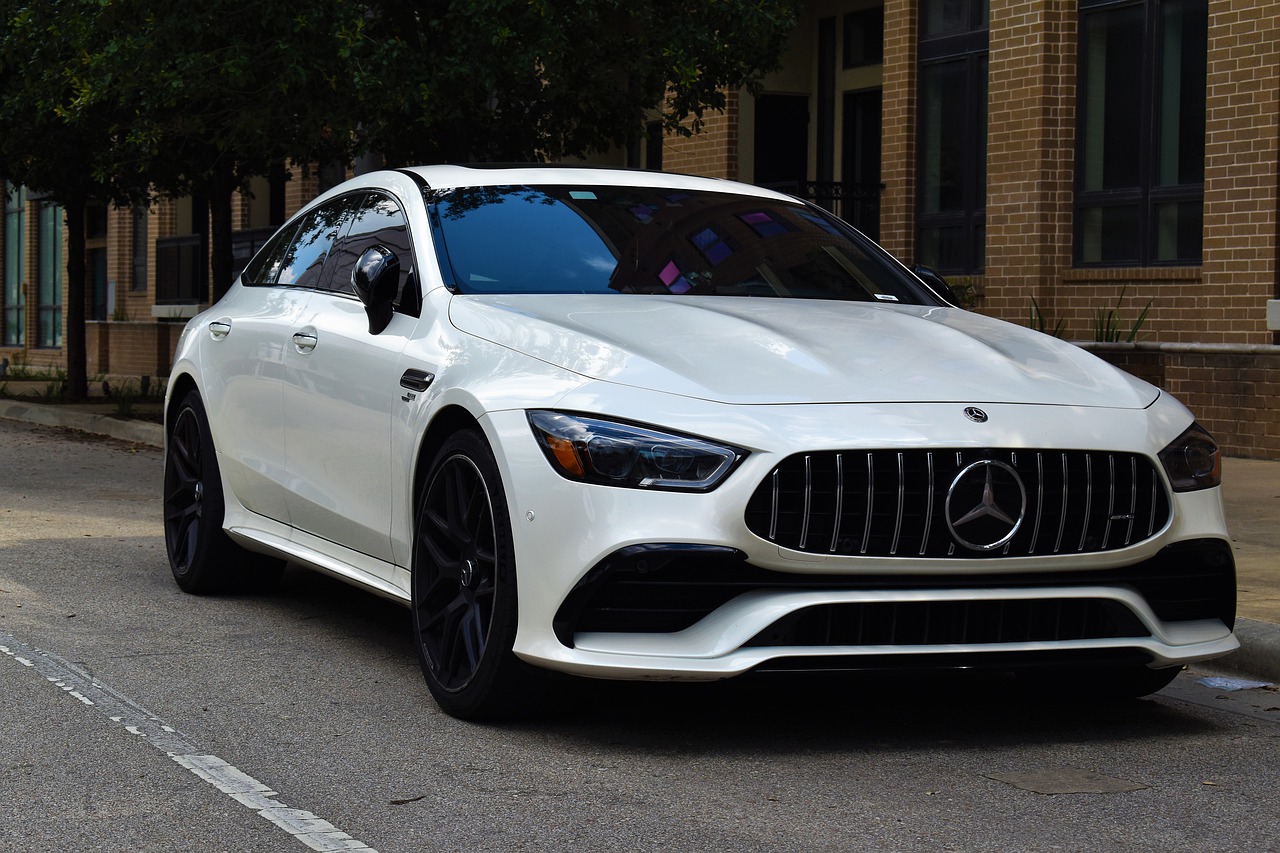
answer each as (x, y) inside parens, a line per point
(135, 717)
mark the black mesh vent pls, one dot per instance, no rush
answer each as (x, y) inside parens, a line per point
(894, 504)
(930, 623)
(666, 588)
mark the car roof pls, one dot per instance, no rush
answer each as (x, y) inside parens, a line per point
(484, 174)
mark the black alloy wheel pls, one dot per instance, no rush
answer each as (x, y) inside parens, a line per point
(201, 555)
(464, 586)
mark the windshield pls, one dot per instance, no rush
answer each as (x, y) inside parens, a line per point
(562, 239)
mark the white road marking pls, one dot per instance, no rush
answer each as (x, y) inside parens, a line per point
(313, 831)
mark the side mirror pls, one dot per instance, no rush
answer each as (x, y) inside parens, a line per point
(376, 278)
(938, 285)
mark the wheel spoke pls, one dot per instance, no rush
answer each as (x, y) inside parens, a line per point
(454, 572)
(182, 501)
(184, 450)
(472, 637)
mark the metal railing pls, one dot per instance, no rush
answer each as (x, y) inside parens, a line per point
(857, 204)
(245, 244)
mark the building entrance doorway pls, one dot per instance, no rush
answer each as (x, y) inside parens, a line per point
(782, 141)
(860, 161)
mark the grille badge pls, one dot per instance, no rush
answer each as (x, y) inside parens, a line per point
(985, 505)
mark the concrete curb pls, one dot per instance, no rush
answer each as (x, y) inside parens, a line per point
(1258, 657)
(139, 432)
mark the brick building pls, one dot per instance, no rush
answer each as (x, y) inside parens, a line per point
(1070, 152)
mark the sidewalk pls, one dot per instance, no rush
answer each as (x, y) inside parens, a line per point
(1251, 491)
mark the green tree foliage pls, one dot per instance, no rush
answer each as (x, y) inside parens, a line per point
(48, 141)
(207, 95)
(187, 98)
(526, 80)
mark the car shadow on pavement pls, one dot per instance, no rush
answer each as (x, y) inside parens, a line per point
(858, 710)
(785, 712)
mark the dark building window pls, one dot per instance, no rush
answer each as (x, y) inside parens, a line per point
(49, 276)
(95, 237)
(138, 249)
(1140, 132)
(15, 203)
(940, 18)
(97, 270)
(864, 37)
(182, 261)
(952, 178)
(653, 146)
(95, 222)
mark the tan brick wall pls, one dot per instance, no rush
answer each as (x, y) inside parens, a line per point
(1242, 141)
(133, 304)
(141, 348)
(299, 190)
(1030, 148)
(898, 130)
(1031, 182)
(1233, 393)
(713, 152)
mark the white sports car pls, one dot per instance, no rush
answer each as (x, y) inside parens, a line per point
(646, 426)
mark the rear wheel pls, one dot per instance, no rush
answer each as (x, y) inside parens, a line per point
(201, 555)
(464, 587)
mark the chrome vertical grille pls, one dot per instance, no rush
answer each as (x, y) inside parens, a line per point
(893, 503)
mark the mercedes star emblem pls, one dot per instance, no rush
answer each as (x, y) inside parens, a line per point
(985, 505)
(975, 414)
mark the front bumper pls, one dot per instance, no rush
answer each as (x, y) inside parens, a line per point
(626, 583)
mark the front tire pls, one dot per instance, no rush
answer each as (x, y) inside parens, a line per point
(201, 555)
(464, 597)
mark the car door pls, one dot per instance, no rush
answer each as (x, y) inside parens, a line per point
(250, 336)
(342, 389)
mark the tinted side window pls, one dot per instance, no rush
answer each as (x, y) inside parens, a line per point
(265, 266)
(378, 222)
(303, 262)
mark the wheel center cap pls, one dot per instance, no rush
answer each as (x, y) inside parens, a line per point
(468, 573)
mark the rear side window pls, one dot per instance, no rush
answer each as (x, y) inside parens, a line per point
(261, 271)
(296, 256)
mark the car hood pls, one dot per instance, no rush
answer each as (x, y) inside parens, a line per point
(781, 351)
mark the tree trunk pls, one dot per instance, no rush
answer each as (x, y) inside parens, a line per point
(74, 333)
(221, 185)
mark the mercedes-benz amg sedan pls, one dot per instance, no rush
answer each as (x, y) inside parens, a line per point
(644, 426)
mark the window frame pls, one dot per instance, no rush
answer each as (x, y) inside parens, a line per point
(862, 37)
(49, 279)
(968, 46)
(408, 298)
(138, 248)
(12, 290)
(259, 271)
(1148, 195)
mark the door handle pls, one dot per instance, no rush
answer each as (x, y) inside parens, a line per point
(417, 380)
(219, 329)
(304, 341)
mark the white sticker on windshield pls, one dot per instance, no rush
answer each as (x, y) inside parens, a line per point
(886, 297)
(582, 194)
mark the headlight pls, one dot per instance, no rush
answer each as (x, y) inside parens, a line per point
(610, 453)
(1193, 461)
